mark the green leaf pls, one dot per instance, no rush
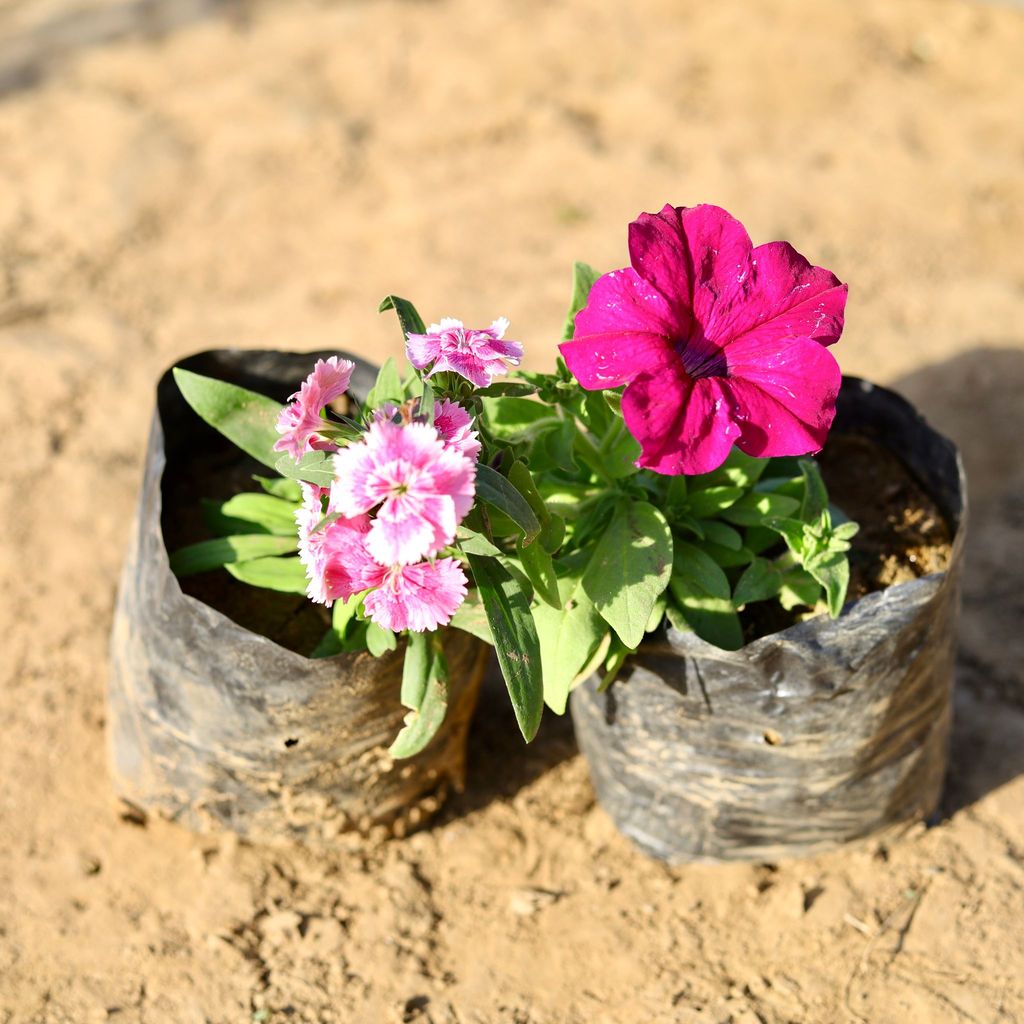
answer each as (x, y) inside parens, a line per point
(727, 558)
(287, 575)
(493, 488)
(212, 554)
(620, 458)
(792, 531)
(515, 640)
(430, 693)
(388, 388)
(630, 567)
(288, 490)
(540, 570)
(408, 318)
(613, 666)
(471, 618)
(416, 669)
(342, 616)
(314, 467)
(552, 533)
(426, 406)
(712, 618)
(815, 502)
(583, 278)
(754, 508)
(799, 588)
(697, 566)
(568, 635)
(832, 571)
(703, 598)
(223, 526)
(517, 419)
(712, 500)
(503, 388)
(273, 514)
(759, 582)
(473, 543)
(379, 640)
(244, 417)
(738, 470)
(722, 535)
(559, 443)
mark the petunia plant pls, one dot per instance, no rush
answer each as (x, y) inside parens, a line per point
(659, 478)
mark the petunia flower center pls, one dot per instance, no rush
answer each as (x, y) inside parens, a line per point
(702, 358)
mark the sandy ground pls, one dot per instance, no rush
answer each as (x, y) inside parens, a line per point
(175, 176)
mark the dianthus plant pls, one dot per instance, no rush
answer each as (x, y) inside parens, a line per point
(659, 478)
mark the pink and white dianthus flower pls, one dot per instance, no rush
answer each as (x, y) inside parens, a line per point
(332, 554)
(479, 355)
(339, 565)
(417, 597)
(421, 489)
(454, 426)
(717, 342)
(302, 418)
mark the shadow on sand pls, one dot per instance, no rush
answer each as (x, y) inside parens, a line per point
(976, 399)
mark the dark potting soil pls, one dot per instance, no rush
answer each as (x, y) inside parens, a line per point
(902, 535)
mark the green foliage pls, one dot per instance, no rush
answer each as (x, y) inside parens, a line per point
(242, 416)
(424, 692)
(630, 567)
(583, 278)
(515, 639)
(287, 575)
(212, 554)
(408, 318)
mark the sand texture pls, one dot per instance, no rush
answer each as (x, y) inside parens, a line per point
(185, 175)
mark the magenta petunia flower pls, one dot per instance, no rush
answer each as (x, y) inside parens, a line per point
(302, 418)
(718, 343)
(478, 355)
(417, 597)
(455, 428)
(420, 489)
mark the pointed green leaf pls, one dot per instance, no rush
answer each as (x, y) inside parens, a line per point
(244, 417)
(515, 640)
(431, 695)
(288, 490)
(408, 318)
(760, 581)
(815, 502)
(287, 575)
(388, 388)
(379, 640)
(493, 488)
(583, 278)
(832, 571)
(630, 567)
(711, 500)
(471, 618)
(754, 508)
(274, 514)
(314, 467)
(212, 554)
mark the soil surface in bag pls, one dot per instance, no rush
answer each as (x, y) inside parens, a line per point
(903, 533)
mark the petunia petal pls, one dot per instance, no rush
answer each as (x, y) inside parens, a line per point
(683, 425)
(785, 396)
(788, 298)
(626, 328)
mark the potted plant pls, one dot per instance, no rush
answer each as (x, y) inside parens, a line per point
(758, 712)
(645, 528)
